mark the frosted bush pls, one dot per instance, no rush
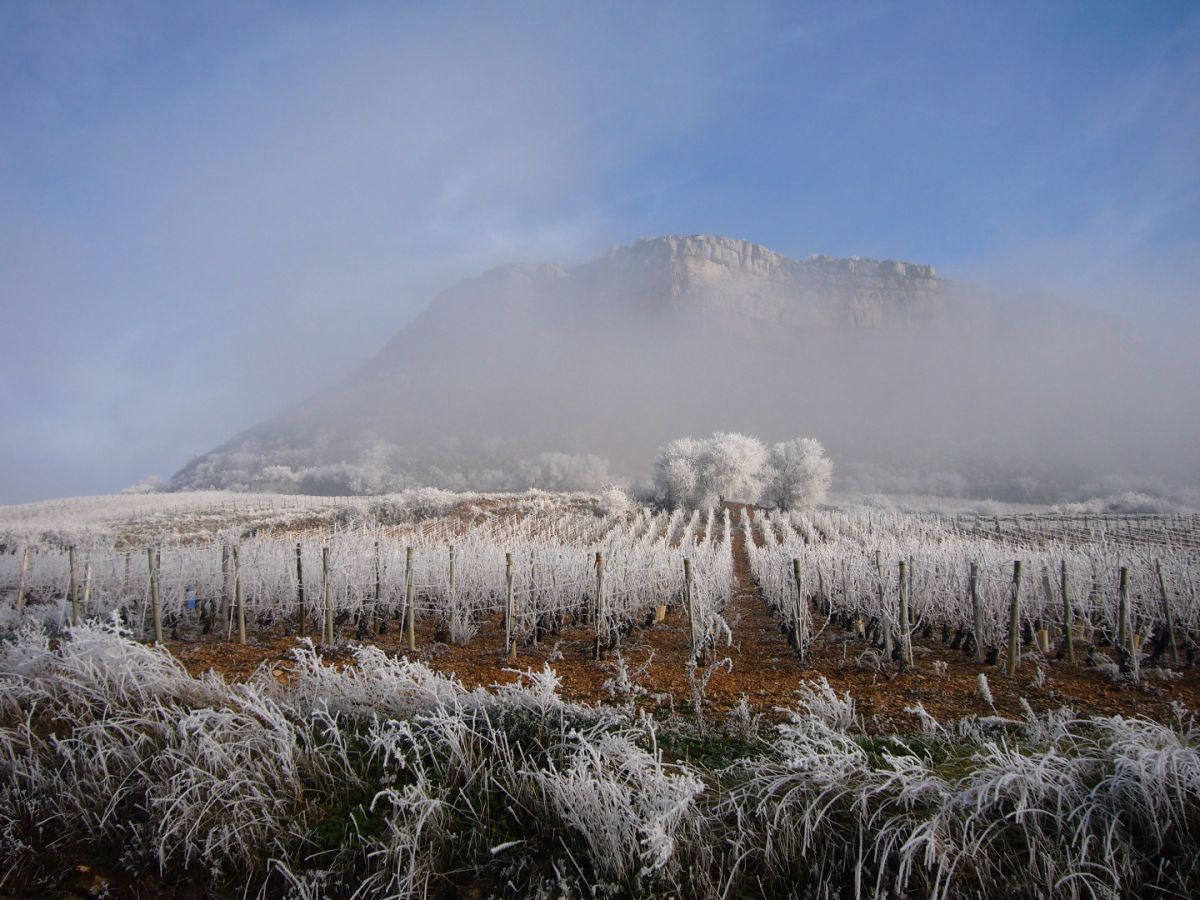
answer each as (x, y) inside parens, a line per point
(612, 502)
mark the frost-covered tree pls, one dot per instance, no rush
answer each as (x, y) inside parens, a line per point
(798, 474)
(677, 471)
(691, 472)
(733, 466)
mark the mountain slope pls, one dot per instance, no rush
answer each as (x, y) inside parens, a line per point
(564, 377)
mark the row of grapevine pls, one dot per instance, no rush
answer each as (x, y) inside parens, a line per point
(851, 562)
(538, 572)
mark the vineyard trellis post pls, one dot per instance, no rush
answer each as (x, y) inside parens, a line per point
(976, 611)
(601, 614)
(372, 619)
(409, 613)
(885, 621)
(533, 602)
(299, 590)
(1043, 632)
(1068, 618)
(1128, 651)
(24, 575)
(87, 586)
(908, 621)
(1168, 615)
(72, 585)
(239, 594)
(153, 559)
(797, 638)
(327, 598)
(906, 652)
(225, 570)
(1014, 621)
(1122, 603)
(510, 609)
(691, 607)
(452, 596)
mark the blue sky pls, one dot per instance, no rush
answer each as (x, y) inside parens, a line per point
(209, 210)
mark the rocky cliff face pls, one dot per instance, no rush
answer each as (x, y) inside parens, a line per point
(734, 278)
(531, 374)
(741, 278)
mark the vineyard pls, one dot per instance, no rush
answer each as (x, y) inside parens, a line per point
(732, 701)
(1128, 583)
(1117, 590)
(538, 571)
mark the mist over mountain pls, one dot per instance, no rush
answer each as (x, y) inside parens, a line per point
(568, 377)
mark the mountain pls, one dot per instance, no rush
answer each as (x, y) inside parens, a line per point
(523, 374)
(566, 377)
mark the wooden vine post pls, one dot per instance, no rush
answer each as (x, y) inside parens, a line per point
(1128, 646)
(797, 637)
(327, 598)
(510, 609)
(87, 586)
(1122, 606)
(693, 619)
(908, 622)
(226, 607)
(885, 621)
(1068, 617)
(299, 591)
(73, 585)
(906, 651)
(976, 612)
(1168, 615)
(410, 613)
(154, 558)
(1014, 621)
(455, 623)
(372, 619)
(1043, 632)
(24, 575)
(533, 597)
(600, 613)
(239, 594)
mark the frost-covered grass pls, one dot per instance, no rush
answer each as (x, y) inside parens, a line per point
(387, 779)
